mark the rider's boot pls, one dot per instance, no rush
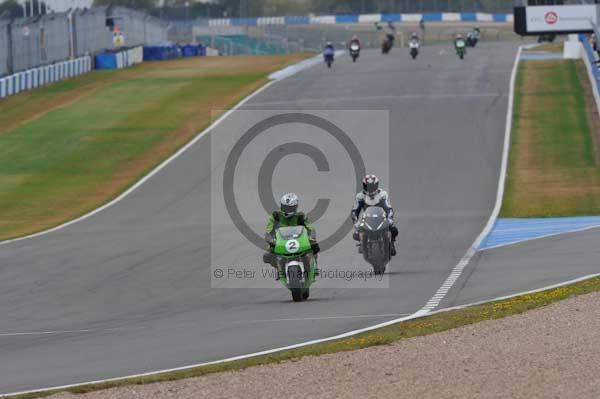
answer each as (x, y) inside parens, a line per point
(393, 248)
(269, 257)
(356, 237)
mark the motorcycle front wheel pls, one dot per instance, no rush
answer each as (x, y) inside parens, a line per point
(379, 269)
(295, 283)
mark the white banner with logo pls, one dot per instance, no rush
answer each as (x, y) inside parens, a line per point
(561, 18)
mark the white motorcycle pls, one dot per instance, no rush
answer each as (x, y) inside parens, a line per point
(414, 48)
(354, 51)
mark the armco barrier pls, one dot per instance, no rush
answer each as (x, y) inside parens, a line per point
(365, 18)
(36, 77)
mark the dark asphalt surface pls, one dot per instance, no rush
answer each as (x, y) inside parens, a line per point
(137, 276)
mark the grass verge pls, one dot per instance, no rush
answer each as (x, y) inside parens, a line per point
(67, 148)
(413, 328)
(553, 168)
(550, 47)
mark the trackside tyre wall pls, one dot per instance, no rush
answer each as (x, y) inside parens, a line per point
(119, 59)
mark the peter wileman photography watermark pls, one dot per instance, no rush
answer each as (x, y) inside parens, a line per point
(252, 272)
(257, 156)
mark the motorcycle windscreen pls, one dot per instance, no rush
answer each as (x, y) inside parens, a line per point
(290, 233)
(375, 217)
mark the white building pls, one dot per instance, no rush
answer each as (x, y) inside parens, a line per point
(58, 5)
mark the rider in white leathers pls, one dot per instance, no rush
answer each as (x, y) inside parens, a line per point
(372, 195)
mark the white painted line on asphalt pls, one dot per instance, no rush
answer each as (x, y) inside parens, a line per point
(439, 296)
(324, 318)
(291, 70)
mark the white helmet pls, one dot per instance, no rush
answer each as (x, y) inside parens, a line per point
(289, 204)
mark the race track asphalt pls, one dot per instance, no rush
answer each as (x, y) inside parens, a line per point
(129, 289)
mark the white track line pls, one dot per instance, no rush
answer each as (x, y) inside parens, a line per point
(361, 316)
(441, 293)
(420, 313)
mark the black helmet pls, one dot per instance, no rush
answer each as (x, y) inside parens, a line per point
(370, 184)
(289, 205)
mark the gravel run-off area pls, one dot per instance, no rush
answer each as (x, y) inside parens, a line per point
(551, 352)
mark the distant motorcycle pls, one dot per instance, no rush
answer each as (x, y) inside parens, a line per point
(473, 37)
(471, 40)
(460, 48)
(375, 238)
(387, 44)
(354, 51)
(414, 48)
(328, 54)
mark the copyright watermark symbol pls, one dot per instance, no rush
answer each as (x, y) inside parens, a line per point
(322, 156)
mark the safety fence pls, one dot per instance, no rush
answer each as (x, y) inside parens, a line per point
(592, 59)
(36, 77)
(28, 43)
(365, 18)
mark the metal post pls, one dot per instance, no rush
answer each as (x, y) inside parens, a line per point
(71, 35)
(9, 59)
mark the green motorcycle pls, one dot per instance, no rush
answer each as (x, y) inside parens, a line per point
(296, 263)
(461, 48)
